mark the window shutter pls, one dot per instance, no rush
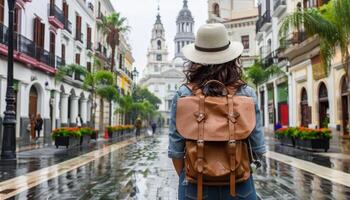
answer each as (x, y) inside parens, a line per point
(63, 53)
(88, 66)
(77, 59)
(88, 37)
(42, 35)
(2, 10)
(65, 10)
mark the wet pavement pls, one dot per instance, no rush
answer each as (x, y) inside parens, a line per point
(143, 171)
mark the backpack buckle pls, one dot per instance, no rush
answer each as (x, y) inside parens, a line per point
(200, 116)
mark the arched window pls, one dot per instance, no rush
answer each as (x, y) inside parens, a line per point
(178, 47)
(304, 109)
(216, 9)
(303, 96)
(323, 106)
(159, 44)
(187, 27)
(182, 27)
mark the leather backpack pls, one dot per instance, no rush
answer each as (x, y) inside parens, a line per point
(216, 130)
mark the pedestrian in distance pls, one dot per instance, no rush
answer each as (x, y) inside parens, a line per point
(38, 125)
(32, 126)
(138, 126)
(154, 127)
(79, 121)
(215, 131)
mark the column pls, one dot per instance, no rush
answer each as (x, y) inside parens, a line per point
(74, 109)
(266, 106)
(291, 94)
(88, 111)
(83, 110)
(56, 110)
(64, 108)
(275, 99)
(310, 96)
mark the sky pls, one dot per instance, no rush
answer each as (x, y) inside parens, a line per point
(141, 15)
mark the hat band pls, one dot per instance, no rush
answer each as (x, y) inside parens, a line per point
(213, 49)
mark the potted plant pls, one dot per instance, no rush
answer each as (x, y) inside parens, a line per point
(286, 136)
(313, 139)
(85, 135)
(94, 134)
(67, 137)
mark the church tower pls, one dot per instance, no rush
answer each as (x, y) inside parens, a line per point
(157, 55)
(185, 27)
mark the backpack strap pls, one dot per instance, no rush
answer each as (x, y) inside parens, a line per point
(200, 146)
(232, 116)
(197, 91)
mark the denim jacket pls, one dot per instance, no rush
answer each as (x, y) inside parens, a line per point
(176, 148)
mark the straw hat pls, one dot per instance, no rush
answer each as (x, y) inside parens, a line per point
(212, 46)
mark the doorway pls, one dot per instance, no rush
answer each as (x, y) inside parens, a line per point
(33, 108)
(323, 110)
(345, 106)
(304, 108)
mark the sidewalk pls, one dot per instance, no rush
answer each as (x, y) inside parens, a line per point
(39, 155)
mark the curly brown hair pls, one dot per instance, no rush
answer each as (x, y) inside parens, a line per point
(230, 74)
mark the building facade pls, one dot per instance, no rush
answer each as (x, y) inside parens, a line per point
(61, 34)
(306, 94)
(239, 17)
(161, 76)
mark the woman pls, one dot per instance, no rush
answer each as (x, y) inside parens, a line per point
(213, 57)
(38, 125)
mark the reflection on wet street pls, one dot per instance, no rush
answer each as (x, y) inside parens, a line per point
(143, 171)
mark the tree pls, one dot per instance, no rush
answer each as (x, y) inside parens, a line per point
(258, 74)
(111, 27)
(140, 94)
(331, 24)
(100, 83)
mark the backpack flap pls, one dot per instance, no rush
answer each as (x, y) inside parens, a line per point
(216, 117)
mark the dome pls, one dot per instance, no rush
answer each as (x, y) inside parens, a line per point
(179, 62)
(185, 14)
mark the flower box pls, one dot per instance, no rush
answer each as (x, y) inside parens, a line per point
(313, 144)
(287, 140)
(85, 139)
(66, 141)
(94, 136)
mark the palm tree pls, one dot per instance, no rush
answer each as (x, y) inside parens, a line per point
(100, 83)
(111, 27)
(331, 23)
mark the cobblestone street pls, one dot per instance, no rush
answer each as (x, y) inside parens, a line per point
(142, 170)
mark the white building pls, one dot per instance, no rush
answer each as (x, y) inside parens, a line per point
(239, 17)
(162, 77)
(48, 36)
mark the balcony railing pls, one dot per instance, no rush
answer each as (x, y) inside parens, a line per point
(67, 25)
(278, 3)
(28, 47)
(295, 38)
(79, 36)
(266, 18)
(56, 12)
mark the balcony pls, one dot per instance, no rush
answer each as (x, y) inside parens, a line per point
(27, 52)
(264, 22)
(56, 17)
(67, 25)
(279, 7)
(79, 36)
(298, 44)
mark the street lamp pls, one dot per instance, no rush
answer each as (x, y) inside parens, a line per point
(8, 151)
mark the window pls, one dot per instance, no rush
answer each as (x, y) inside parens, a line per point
(88, 66)
(78, 35)
(16, 20)
(159, 57)
(39, 33)
(245, 41)
(77, 58)
(65, 10)
(88, 37)
(63, 54)
(52, 47)
(120, 61)
(159, 44)
(216, 10)
(2, 11)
